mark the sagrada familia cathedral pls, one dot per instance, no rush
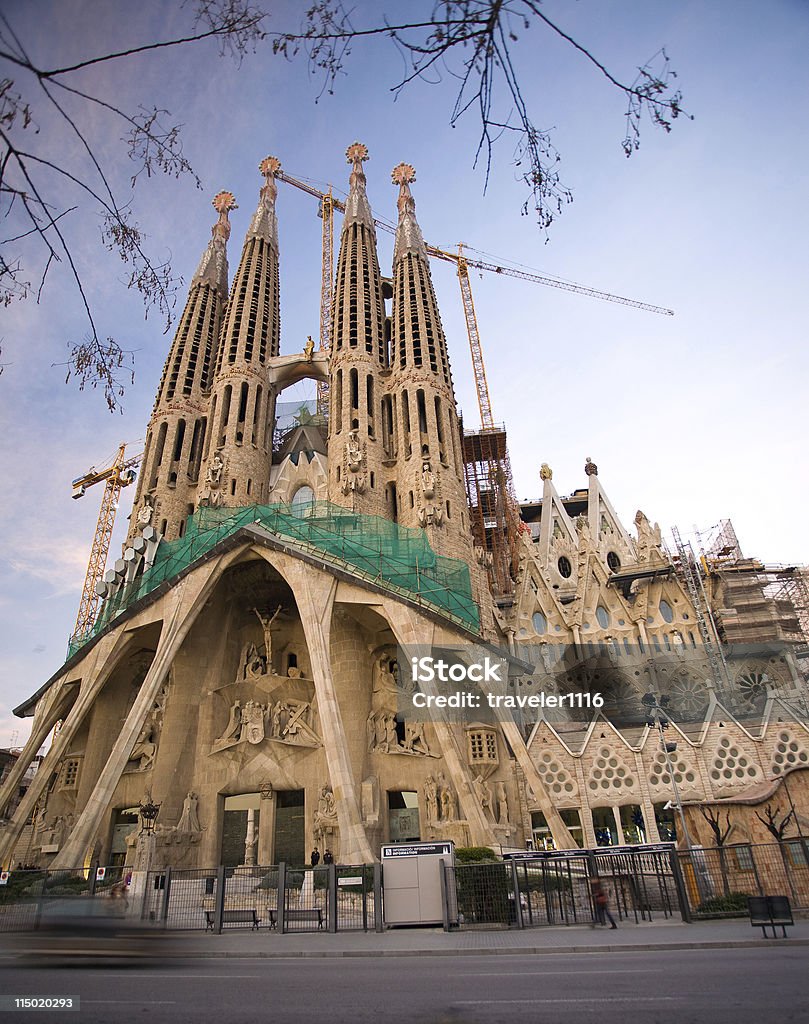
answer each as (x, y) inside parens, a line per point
(242, 678)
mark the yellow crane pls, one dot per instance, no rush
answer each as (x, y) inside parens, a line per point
(121, 473)
(329, 203)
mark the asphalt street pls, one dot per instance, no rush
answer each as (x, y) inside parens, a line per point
(721, 986)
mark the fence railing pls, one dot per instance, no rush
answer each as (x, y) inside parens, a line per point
(718, 880)
(530, 891)
(556, 889)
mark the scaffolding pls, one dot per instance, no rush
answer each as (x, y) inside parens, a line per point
(753, 602)
(493, 508)
(395, 558)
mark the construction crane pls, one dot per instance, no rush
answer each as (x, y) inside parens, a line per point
(121, 473)
(329, 203)
(494, 511)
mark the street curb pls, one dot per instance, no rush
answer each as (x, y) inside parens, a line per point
(484, 951)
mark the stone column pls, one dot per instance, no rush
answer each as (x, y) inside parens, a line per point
(412, 631)
(314, 592)
(184, 602)
(102, 660)
(49, 710)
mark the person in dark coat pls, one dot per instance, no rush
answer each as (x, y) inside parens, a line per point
(315, 858)
(601, 904)
(328, 858)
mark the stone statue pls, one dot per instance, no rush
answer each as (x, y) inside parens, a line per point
(427, 481)
(213, 480)
(370, 731)
(145, 748)
(253, 722)
(353, 452)
(590, 468)
(253, 665)
(384, 688)
(414, 741)
(354, 460)
(266, 626)
(448, 805)
(233, 729)
(545, 472)
(145, 512)
(502, 803)
(391, 736)
(326, 814)
(309, 349)
(649, 537)
(430, 799)
(189, 818)
(484, 795)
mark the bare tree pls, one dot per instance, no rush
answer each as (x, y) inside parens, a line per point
(720, 833)
(471, 42)
(777, 828)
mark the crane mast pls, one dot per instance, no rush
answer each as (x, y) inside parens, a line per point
(120, 474)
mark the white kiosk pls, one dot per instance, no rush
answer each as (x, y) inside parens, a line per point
(412, 879)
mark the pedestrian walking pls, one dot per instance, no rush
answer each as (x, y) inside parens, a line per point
(601, 904)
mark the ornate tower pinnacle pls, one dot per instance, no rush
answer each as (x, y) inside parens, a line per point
(213, 267)
(408, 233)
(358, 208)
(265, 223)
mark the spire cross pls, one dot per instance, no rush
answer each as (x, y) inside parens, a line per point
(269, 167)
(223, 202)
(403, 174)
(357, 154)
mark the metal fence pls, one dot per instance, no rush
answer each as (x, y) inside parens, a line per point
(555, 889)
(718, 880)
(29, 893)
(283, 899)
(527, 891)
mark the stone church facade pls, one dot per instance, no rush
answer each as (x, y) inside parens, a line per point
(243, 674)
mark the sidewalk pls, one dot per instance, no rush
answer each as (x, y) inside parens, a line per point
(629, 937)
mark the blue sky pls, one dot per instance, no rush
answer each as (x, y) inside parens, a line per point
(692, 418)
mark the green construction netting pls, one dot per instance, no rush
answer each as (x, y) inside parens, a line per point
(395, 557)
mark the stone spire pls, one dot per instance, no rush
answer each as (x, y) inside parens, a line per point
(358, 209)
(238, 450)
(408, 233)
(264, 224)
(176, 433)
(213, 266)
(429, 472)
(417, 335)
(252, 329)
(358, 357)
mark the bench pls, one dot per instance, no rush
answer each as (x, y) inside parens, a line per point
(770, 912)
(232, 917)
(312, 915)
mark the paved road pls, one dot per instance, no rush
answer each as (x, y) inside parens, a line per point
(720, 986)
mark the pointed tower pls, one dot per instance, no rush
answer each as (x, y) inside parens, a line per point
(429, 469)
(357, 454)
(177, 431)
(238, 451)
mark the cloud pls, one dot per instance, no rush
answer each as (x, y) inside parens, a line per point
(59, 561)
